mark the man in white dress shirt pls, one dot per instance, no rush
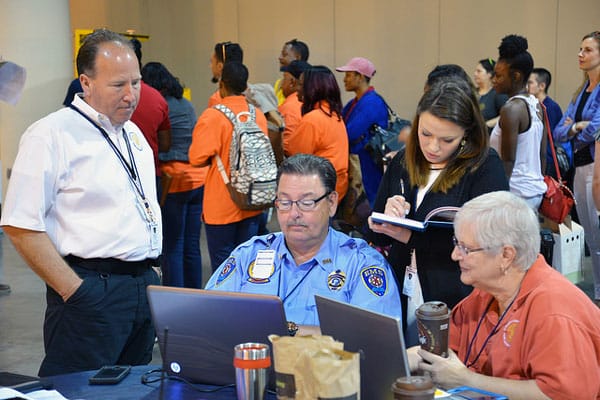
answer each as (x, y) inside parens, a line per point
(81, 210)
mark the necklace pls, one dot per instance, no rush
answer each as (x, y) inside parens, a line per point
(492, 333)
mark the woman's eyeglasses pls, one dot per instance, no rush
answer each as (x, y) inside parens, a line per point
(464, 250)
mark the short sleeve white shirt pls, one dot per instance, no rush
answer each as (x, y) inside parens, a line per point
(68, 182)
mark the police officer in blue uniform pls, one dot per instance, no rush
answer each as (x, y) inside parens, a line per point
(308, 257)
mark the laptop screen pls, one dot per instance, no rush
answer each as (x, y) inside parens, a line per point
(377, 337)
(198, 329)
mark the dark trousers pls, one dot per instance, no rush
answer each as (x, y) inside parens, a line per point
(105, 322)
(182, 223)
(223, 239)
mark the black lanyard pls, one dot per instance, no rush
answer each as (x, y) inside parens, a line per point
(492, 333)
(131, 170)
(295, 286)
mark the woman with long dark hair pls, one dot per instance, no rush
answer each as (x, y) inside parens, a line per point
(182, 208)
(446, 162)
(321, 130)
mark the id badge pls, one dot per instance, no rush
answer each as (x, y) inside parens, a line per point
(410, 281)
(154, 235)
(264, 264)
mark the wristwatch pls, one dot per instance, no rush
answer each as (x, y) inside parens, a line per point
(292, 328)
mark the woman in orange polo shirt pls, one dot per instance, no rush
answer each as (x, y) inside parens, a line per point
(321, 130)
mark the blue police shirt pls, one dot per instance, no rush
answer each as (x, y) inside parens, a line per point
(345, 269)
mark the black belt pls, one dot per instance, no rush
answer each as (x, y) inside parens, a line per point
(113, 265)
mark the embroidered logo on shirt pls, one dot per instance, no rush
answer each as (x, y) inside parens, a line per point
(508, 333)
(226, 271)
(135, 140)
(336, 280)
(375, 280)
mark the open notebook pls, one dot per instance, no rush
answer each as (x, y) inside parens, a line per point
(441, 216)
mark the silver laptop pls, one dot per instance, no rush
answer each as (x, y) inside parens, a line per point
(198, 329)
(377, 337)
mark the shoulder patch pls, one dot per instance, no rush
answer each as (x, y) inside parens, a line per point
(375, 280)
(226, 271)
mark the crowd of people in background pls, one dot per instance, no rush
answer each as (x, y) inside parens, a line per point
(472, 141)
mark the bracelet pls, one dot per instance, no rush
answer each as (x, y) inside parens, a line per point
(574, 128)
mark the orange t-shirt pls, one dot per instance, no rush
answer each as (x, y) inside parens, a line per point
(212, 136)
(291, 111)
(323, 136)
(214, 99)
(185, 177)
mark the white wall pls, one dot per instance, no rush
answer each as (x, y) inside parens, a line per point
(34, 34)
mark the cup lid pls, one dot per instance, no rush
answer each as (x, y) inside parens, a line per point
(433, 308)
(416, 382)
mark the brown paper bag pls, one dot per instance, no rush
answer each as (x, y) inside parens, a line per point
(287, 351)
(329, 374)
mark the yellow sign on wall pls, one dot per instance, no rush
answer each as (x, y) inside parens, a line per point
(80, 35)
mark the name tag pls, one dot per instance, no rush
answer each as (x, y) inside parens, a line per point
(264, 265)
(410, 281)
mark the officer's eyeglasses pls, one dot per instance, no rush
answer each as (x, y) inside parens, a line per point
(464, 250)
(303, 205)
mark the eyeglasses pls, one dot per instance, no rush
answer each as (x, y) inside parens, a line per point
(303, 205)
(464, 251)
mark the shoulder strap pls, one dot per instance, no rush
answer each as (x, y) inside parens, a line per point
(230, 114)
(390, 111)
(227, 111)
(551, 141)
(221, 169)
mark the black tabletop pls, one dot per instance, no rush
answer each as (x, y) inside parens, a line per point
(75, 386)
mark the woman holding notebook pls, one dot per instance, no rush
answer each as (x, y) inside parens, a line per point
(447, 161)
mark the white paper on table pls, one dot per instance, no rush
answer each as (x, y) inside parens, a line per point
(8, 393)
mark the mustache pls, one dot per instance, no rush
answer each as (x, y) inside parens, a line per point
(292, 224)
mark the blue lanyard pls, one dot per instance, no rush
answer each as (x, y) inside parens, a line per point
(131, 170)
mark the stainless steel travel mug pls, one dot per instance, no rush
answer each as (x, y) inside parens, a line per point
(252, 362)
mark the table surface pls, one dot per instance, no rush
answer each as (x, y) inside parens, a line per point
(75, 386)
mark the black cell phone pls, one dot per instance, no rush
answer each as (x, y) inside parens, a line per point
(110, 375)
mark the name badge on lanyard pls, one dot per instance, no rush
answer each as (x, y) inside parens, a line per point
(264, 264)
(146, 211)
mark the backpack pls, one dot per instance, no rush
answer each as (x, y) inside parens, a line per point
(252, 168)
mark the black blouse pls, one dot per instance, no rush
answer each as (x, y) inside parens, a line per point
(438, 273)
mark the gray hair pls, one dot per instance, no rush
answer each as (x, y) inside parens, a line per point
(502, 218)
(308, 164)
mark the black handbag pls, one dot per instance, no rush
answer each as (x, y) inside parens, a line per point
(384, 140)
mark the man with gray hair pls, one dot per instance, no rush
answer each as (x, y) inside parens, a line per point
(81, 209)
(308, 257)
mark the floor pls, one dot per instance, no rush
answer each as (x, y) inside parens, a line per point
(22, 311)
